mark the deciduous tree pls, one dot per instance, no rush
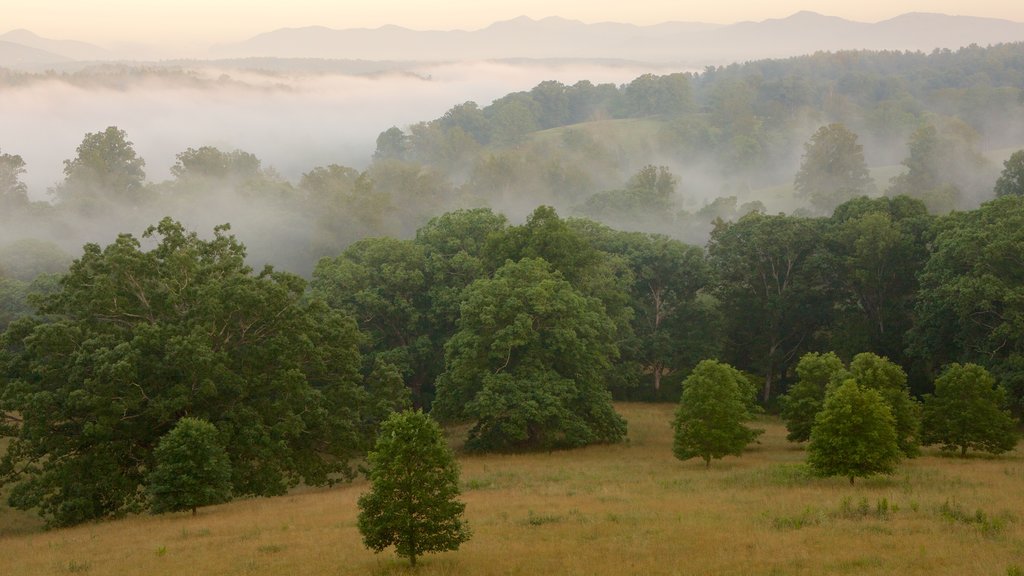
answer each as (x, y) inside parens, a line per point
(833, 169)
(192, 468)
(137, 339)
(413, 499)
(713, 410)
(803, 401)
(529, 363)
(968, 411)
(854, 435)
(1011, 180)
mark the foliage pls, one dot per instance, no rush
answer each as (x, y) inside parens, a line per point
(877, 248)
(382, 284)
(710, 421)
(854, 435)
(207, 162)
(413, 499)
(941, 168)
(137, 339)
(13, 192)
(803, 401)
(970, 305)
(528, 364)
(967, 411)
(1011, 180)
(191, 468)
(769, 276)
(105, 172)
(833, 169)
(890, 381)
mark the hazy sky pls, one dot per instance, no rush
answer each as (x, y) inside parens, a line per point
(180, 22)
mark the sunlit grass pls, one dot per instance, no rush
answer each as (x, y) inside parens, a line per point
(623, 509)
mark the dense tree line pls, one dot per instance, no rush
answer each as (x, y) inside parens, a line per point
(525, 329)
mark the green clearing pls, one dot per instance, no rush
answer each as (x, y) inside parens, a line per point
(629, 508)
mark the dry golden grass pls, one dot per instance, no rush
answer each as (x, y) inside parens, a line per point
(624, 509)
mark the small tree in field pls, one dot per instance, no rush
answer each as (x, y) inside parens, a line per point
(967, 411)
(804, 399)
(854, 434)
(412, 503)
(192, 468)
(715, 404)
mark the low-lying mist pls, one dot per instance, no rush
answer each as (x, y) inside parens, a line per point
(291, 121)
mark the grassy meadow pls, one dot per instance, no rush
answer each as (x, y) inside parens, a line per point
(624, 509)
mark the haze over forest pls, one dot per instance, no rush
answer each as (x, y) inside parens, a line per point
(303, 97)
(267, 266)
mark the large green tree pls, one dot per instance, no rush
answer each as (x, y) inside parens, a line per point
(136, 339)
(712, 415)
(192, 468)
(529, 363)
(833, 169)
(967, 411)
(105, 172)
(877, 247)
(414, 487)
(890, 381)
(854, 435)
(769, 274)
(970, 307)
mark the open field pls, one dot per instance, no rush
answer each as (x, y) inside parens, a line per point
(624, 509)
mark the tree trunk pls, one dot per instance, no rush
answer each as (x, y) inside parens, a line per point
(766, 391)
(193, 510)
(963, 451)
(657, 377)
(851, 480)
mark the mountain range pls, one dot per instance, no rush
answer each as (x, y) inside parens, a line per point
(689, 43)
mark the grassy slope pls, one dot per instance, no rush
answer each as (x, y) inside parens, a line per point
(624, 509)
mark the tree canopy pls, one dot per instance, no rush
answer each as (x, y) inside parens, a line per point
(414, 487)
(529, 362)
(712, 415)
(968, 411)
(192, 468)
(136, 339)
(854, 435)
(833, 169)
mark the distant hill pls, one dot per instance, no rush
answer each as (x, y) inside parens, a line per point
(65, 49)
(12, 54)
(689, 42)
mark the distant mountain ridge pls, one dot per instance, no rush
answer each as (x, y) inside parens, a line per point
(692, 43)
(64, 49)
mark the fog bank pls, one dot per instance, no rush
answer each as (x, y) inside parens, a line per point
(291, 121)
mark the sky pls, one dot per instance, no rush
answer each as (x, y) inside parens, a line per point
(112, 23)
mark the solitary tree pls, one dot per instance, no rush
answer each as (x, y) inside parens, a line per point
(192, 468)
(966, 411)
(854, 434)
(106, 171)
(13, 192)
(833, 168)
(412, 503)
(715, 404)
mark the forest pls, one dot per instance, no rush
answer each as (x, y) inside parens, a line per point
(515, 267)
